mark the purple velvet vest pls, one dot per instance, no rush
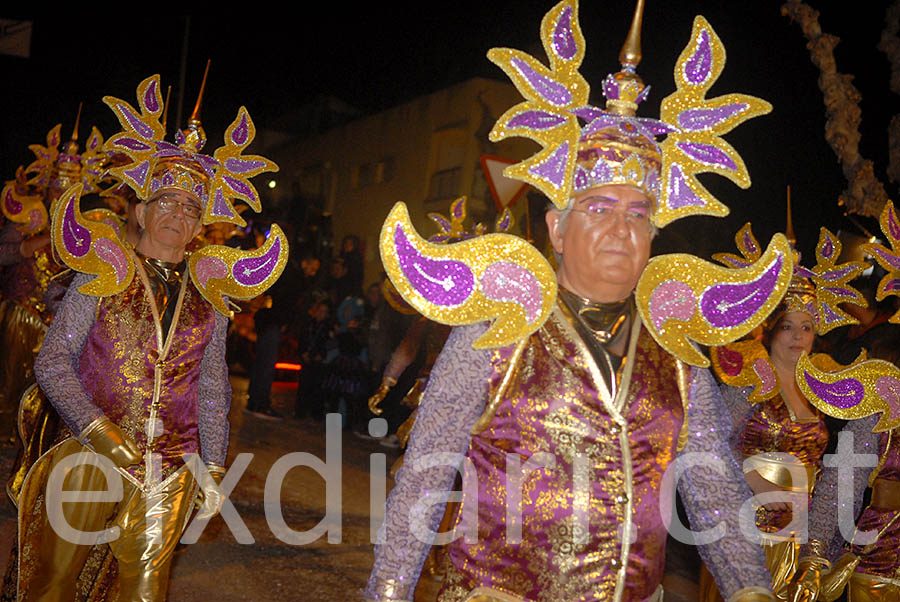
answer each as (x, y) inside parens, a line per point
(150, 390)
(553, 403)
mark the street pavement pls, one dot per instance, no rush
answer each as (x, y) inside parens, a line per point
(278, 565)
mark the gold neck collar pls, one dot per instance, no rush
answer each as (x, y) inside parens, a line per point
(607, 322)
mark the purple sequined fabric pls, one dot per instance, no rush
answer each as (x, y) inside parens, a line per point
(452, 403)
(57, 372)
(712, 497)
(823, 512)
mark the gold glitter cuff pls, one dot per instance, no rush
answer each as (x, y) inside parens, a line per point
(754, 593)
(217, 471)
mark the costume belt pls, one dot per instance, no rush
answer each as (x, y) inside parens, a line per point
(778, 472)
(886, 494)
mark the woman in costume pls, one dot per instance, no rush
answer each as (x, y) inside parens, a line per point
(871, 565)
(775, 427)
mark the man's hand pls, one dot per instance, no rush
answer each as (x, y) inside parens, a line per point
(210, 501)
(108, 440)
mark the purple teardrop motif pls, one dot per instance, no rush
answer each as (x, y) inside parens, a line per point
(893, 226)
(892, 285)
(840, 291)
(221, 207)
(443, 282)
(588, 113)
(547, 88)
(458, 209)
(827, 247)
(707, 154)
(13, 207)
(76, 238)
(138, 174)
(728, 305)
(504, 222)
(563, 41)
(243, 165)
(142, 129)
(239, 186)
(837, 274)
(536, 120)
(695, 120)
(132, 144)
(678, 193)
(843, 394)
(507, 281)
(553, 169)
(240, 133)
(888, 257)
(697, 67)
(150, 97)
(750, 244)
(251, 271)
(441, 221)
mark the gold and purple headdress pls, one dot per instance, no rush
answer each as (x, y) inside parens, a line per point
(818, 291)
(889, 259)
(614, 146)
(871, 386)
(217, 271)
(26, 198)
(680, 298)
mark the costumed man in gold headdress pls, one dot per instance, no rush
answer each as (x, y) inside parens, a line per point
(569, 411)
(135, 365)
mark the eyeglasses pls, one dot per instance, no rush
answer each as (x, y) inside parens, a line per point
(601, 214)
(168, 204)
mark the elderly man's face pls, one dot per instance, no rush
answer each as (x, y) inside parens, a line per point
(604, 242)
(169, 221)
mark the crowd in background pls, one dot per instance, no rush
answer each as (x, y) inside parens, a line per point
(318, 317)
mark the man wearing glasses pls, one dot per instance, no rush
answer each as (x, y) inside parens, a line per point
(140, 378)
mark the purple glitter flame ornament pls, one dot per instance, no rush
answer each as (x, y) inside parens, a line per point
(442, 282)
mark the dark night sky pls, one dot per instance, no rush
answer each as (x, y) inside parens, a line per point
(376, 57)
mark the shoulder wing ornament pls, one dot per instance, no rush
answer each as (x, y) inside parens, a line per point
(496, 277)
(684, 299)
(746, 364)
(219, 271)
(91, 247)
(864, 388)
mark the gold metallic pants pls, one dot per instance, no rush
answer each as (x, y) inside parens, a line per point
(150, 526)
(869, 588)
